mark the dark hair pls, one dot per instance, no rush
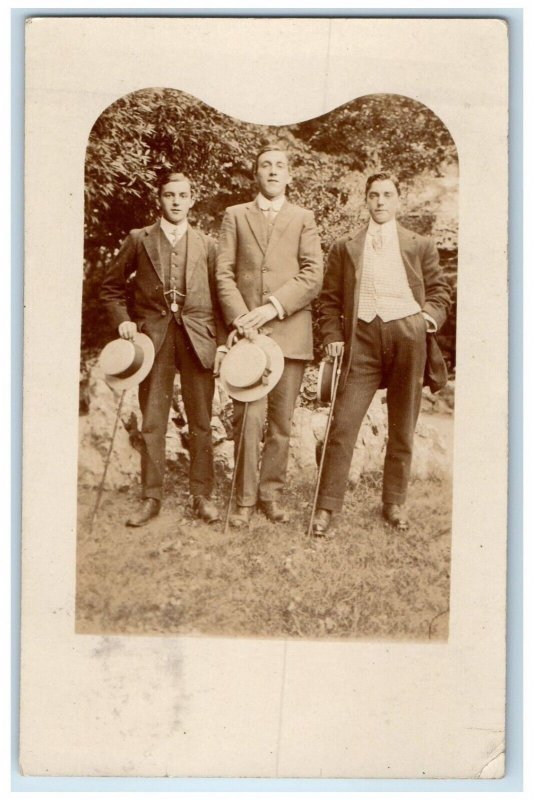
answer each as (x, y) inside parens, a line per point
(381, 176)
(272, 144)
(168, 175)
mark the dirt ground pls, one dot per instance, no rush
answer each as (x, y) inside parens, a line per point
(178, 575)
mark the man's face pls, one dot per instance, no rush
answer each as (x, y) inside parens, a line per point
(175, 201)
(272, 174)
(382, 201)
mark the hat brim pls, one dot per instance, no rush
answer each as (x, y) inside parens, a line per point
(326, 380)
(250, 393)
(120, 384)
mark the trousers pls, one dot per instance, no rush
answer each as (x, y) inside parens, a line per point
(155, 398)
(276, 411)
(385, 354)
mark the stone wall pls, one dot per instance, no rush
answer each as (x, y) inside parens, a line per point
(431, 456)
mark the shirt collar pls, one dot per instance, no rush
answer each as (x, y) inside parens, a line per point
(387, 229)
(265, 204)
(173, 230)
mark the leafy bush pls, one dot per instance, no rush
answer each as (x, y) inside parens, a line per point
(330, 158)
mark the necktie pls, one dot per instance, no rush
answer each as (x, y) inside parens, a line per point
(173, 235)
(271, 215)
(377, 240)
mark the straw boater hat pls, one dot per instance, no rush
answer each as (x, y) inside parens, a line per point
(251, 369)
(326, 379)
(126, 363)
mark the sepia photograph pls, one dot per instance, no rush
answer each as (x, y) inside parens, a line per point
(244, 316)
(269, 539)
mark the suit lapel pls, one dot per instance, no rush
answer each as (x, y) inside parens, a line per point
(257, 225)
(280, 224)
(151, 243)
(355, 250)
(407, 245)
(194, 249)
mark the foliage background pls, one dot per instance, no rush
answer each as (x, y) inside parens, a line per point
(331, 156)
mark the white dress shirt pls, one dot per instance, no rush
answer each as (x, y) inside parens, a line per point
(173, 232)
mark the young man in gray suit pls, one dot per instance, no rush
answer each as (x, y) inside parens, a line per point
(383, 291)
(269, 269)
(172, 268)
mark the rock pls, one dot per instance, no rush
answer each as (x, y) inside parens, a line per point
(96, 430)
(440, 403)
(430, 456)
(218, 431)
(309, 423)
(307, 429)
(221, 400)
(224, 455)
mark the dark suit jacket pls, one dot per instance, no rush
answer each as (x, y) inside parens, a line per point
(289, 267)
(338, 303)
(201, 316)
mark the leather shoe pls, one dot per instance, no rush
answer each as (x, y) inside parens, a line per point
(205, 509)
(241, 516)
(273, 511)
(149, 508)
(394, 515)
(321, 522)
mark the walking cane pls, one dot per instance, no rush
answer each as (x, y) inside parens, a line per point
(124, 364)
(106, 465)
(234, 476)
(337, 373)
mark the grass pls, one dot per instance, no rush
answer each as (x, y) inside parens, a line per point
(179, 576)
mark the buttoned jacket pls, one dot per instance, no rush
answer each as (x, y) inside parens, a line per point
(139, 260)
(288, 265)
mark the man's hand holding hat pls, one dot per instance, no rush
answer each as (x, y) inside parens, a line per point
(127, 330)
(257, 318)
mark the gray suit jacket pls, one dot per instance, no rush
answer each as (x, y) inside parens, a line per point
(289, 267)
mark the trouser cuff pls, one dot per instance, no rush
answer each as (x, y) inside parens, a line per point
(330, 503)
(154, 494)
(397, 498)
(273, 497)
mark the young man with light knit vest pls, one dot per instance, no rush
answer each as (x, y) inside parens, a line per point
(172, 269)
(383, 291)
(269, 269)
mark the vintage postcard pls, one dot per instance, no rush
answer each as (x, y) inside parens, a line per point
(265, 398)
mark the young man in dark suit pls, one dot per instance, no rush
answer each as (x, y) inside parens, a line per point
(383, 291)
(172, 268)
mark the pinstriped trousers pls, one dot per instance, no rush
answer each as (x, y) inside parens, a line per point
(261, 474)
(390, 354)
(155, 399)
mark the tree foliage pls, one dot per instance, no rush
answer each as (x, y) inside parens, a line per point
(330, 157)
(154, 128)
(382, 131)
